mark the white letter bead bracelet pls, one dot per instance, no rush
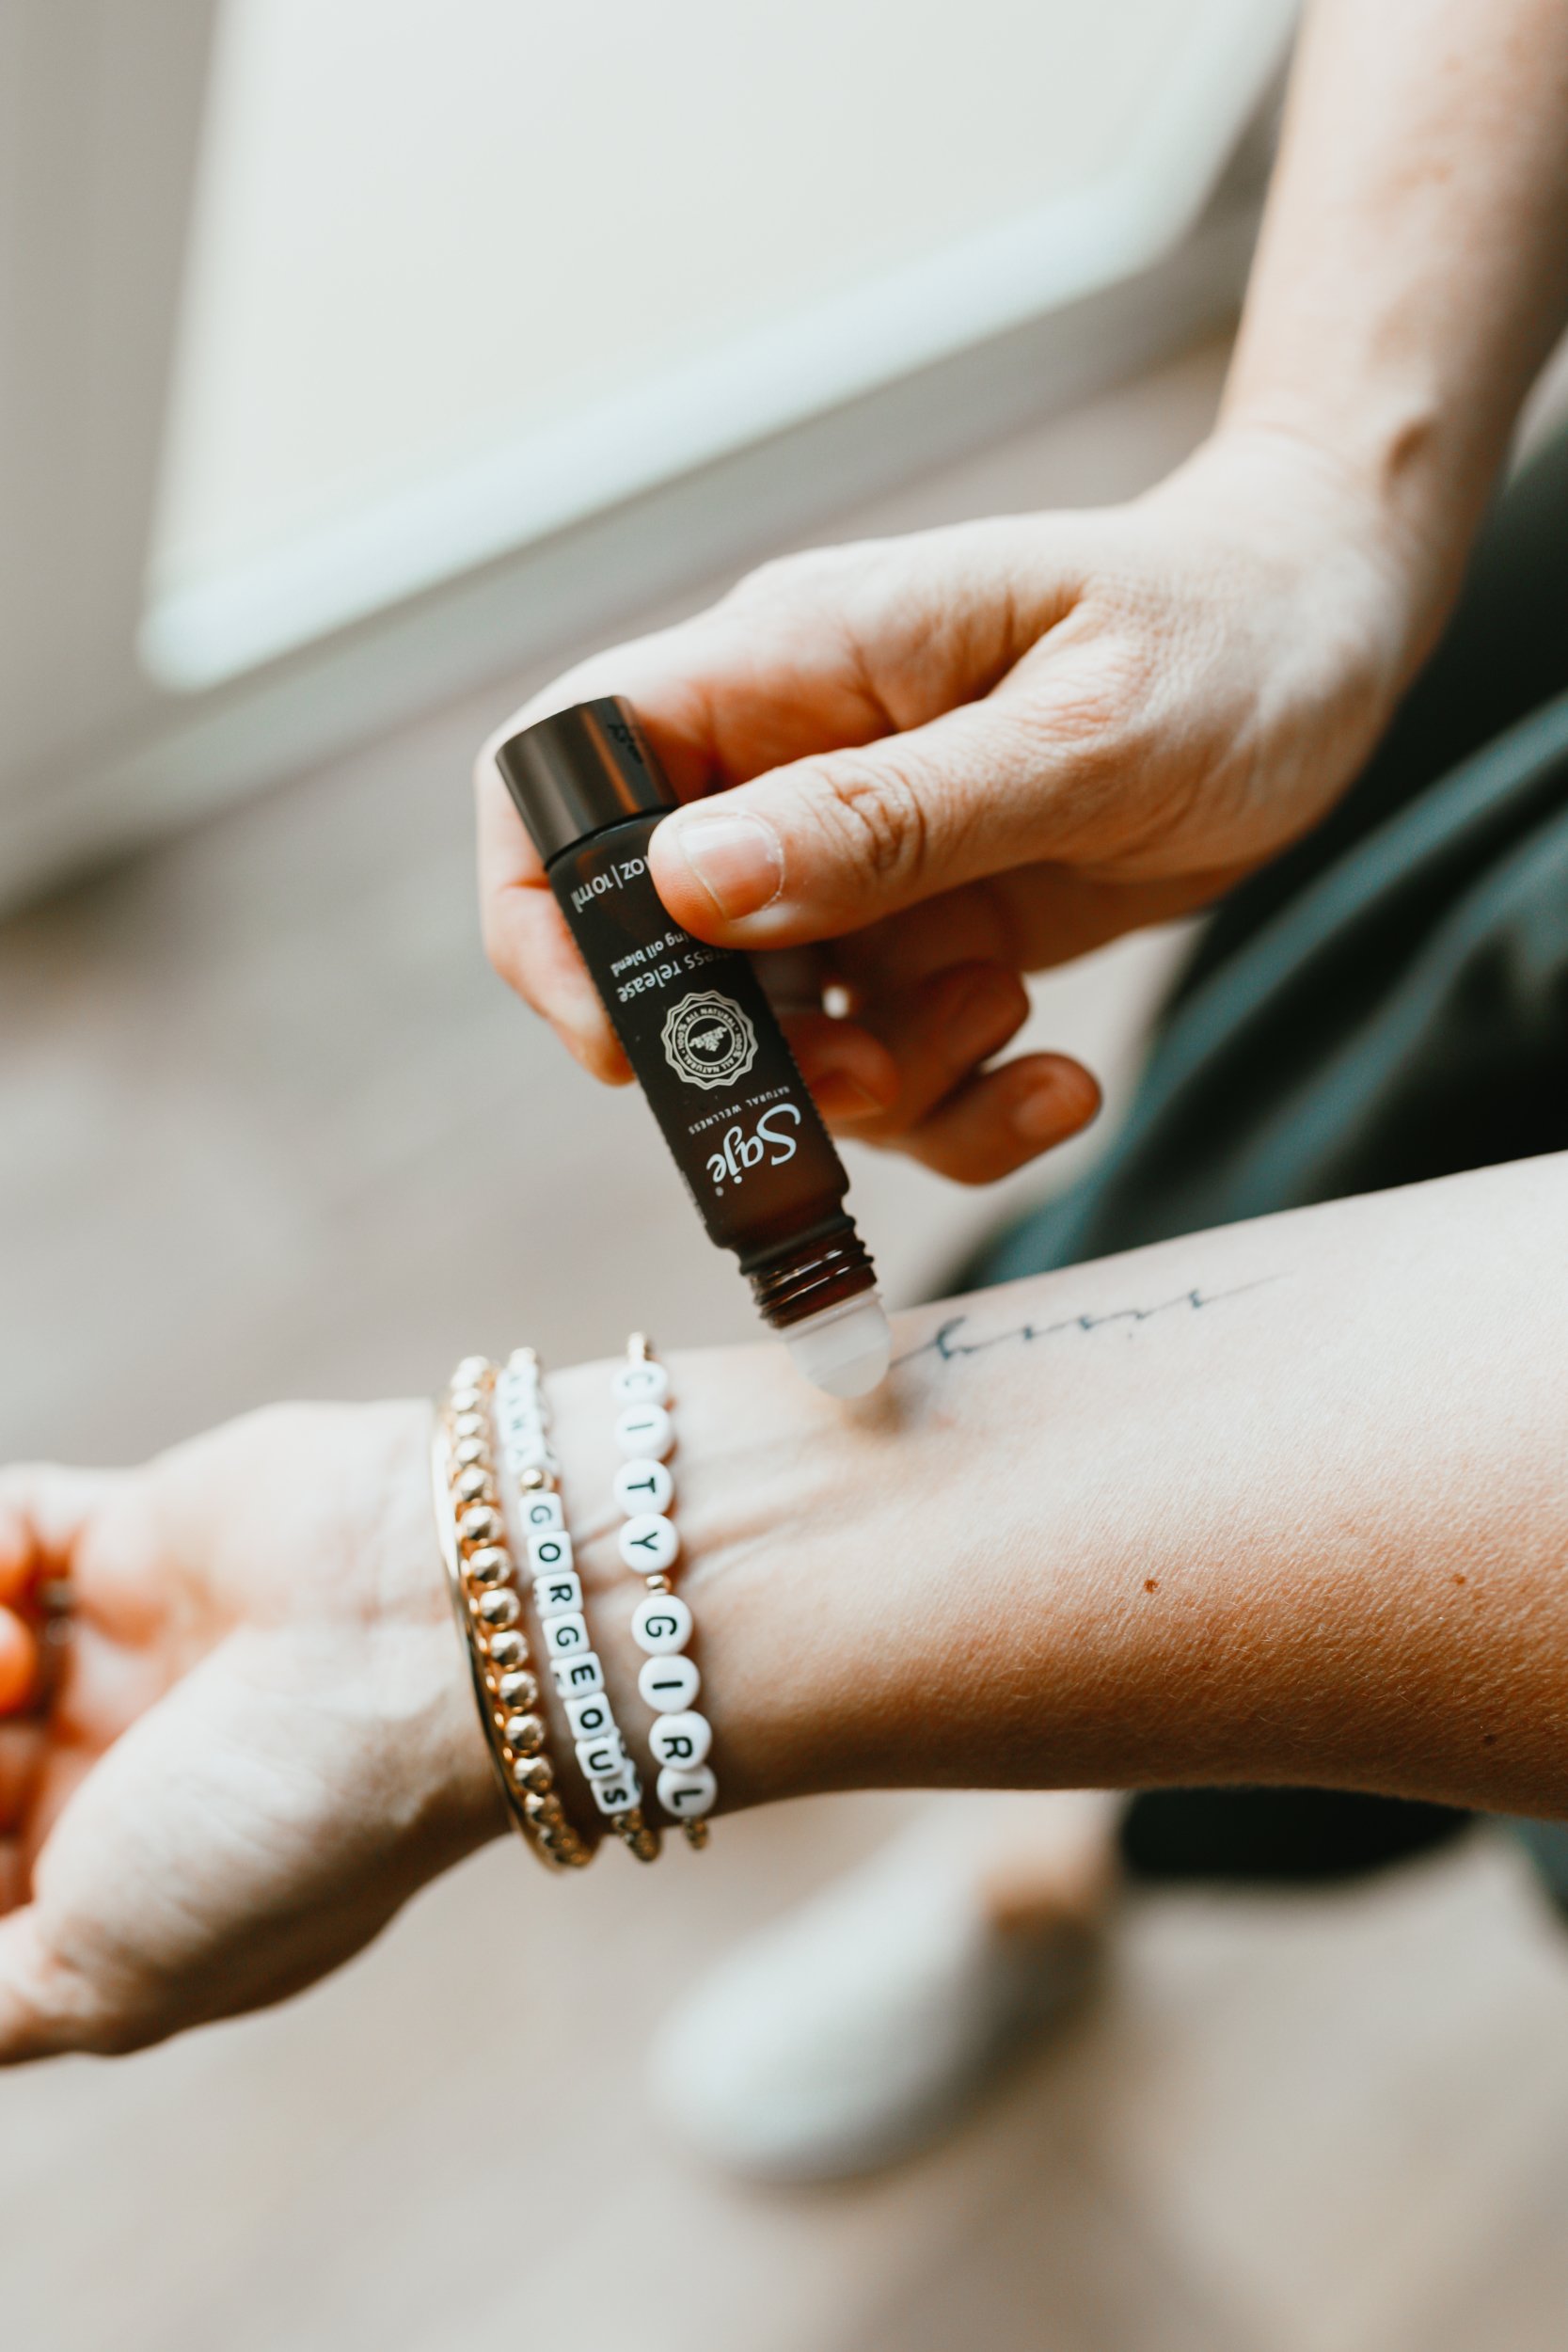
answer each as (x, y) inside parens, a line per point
(661, 1625)
(503, 1557)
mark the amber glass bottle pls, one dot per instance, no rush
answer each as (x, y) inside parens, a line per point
(703, 1041)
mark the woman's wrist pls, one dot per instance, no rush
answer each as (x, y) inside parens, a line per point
(461, 1807)
(761, 1461)
(1366, 558)
(1080, 1538)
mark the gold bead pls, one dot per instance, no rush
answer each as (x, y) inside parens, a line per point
(546, 1812)
(531, 1480)
(465, 1401)
(507, 1649)
(639, 1346)
(480, 1524)
(469, 1428)
(489, 1565)
(526, 1733)
(696, 1835)
(533, 1773)
(658, 1582)
(474, 1484)
(471, 1370)
(498, 1607)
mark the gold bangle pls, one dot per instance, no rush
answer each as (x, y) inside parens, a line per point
(489, 1608)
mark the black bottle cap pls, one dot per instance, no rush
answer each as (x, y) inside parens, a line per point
(580, 771)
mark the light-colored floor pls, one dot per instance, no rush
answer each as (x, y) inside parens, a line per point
(267, 1126)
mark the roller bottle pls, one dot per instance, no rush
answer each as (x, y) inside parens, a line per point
(703, 1043)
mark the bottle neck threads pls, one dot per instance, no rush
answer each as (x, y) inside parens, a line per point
(813, 1271)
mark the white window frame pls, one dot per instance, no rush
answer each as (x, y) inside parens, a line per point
(101, 109)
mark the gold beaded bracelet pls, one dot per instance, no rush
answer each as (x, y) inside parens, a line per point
(489, 1608)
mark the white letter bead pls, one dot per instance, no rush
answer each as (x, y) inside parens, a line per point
(574, 1673)
(618, 1795)
(563, 1635)
(641, 1383)
(554, 1594)
(660, 1624)
(528, 1455)
(603, 1758)
(644, 1484)
(589, 1716)
(648, 1543)
(645, 1429)
(687, 1795)
(668, 1684)
(683, 1740)
(548, 1549)
(541, 1510)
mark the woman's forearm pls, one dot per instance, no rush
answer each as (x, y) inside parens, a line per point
(1281, 1502)
(1412, 270)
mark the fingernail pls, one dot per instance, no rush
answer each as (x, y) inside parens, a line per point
(842, 1097)
(984, 1004)
(736, 859)
(1037, 1114)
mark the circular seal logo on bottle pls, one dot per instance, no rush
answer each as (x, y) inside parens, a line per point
(709, 1041)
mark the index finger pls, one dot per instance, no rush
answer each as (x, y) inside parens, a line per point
(526, 936)
(722, 698)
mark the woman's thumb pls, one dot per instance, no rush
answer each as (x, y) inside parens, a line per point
(831, 843)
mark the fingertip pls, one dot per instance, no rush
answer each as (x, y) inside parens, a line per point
(717, 867)
(597, 1050)
(1052, 1098)
(19, 1661)
(45, 1507)
(850, 1074)
(1003, 1119)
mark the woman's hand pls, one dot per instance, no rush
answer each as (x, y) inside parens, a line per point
(951, 759)
(260, 1739)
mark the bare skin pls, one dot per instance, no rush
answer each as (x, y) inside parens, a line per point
(1282, 1502)
(941, 762)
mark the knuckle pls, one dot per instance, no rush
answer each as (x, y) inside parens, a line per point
(878, 820)
(802, 577)
(55, 2005)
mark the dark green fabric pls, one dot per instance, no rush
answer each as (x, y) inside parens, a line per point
(1386, 1002)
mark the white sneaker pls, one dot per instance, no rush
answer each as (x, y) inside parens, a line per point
(857, 2030)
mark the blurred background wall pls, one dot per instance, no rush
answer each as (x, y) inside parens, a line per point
(361, 362)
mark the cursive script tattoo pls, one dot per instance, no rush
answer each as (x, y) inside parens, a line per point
(950, 1342)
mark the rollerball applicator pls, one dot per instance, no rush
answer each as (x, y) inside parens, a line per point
(703, 1043)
